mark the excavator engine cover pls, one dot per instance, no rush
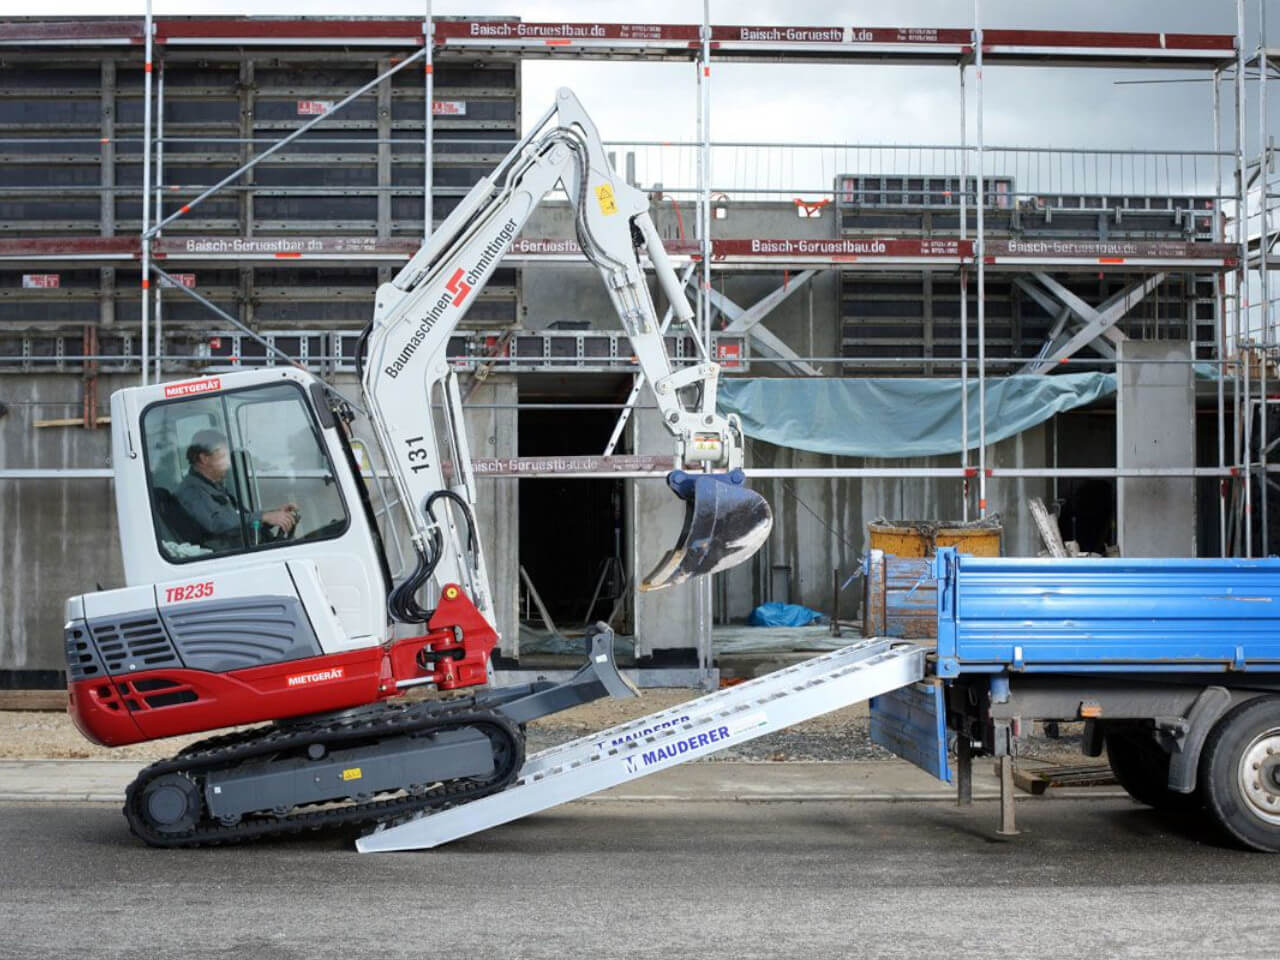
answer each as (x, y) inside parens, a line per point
(724, 523)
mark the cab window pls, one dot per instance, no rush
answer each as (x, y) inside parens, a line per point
(237, 472)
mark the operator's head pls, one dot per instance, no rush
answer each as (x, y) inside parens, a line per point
(208, 456)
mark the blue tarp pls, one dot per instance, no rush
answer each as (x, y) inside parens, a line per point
(898, 416)
(782, 615)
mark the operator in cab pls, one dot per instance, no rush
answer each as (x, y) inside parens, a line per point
(213, 507)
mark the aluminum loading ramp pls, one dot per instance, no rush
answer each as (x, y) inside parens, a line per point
(665, 739)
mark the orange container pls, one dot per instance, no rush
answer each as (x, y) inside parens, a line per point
(921, 538)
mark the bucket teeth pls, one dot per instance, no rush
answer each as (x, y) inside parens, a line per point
(724, 524)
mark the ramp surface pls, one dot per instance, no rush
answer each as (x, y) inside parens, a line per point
(670, 737)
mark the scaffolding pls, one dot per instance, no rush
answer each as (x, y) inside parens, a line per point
(994, 181)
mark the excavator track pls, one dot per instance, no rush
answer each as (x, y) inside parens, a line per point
(378, 722)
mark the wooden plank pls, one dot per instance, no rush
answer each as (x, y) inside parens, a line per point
(68, 422)
(33, 700)
(1047, 524)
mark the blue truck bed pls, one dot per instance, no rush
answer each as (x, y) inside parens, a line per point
(1108, 615)
(1172, 664)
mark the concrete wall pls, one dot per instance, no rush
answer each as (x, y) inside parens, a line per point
(59, 536)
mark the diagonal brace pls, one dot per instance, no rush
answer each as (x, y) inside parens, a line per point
(1061, 315)
(742, 321)
(1083, 312)
(760, 309)
(1098, 321)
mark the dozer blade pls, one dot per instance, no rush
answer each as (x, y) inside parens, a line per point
(724, 524)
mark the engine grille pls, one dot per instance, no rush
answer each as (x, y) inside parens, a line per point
(83, 661)
(133, 643)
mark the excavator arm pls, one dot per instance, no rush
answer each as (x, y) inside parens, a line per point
(413, 398)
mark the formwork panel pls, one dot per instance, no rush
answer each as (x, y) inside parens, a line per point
(221, 106)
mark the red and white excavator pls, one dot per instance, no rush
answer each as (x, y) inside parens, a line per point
(258, 585)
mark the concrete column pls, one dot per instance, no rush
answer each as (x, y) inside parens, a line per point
(1155, 427)
(664, 620)
(493, 432)
(247, 90)
(384, 152)
(107, 207)
(926, 282)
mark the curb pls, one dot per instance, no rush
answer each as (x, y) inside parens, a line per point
(61, 798)
(925, 797)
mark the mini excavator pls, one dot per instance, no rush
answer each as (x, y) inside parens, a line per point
(259, 590)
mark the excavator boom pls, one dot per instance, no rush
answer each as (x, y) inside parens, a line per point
(416, 312)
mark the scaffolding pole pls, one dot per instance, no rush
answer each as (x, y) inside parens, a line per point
(980, 254)
(1264, 286)
(964, 297)
(1243, 457)
(703, 598)
(760, 473)
(146, 194)
(1220, 314)
(159, 187)
(428, 134)
(703, 219)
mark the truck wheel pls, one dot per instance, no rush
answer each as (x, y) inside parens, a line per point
(1142, 768)
(1240, 774)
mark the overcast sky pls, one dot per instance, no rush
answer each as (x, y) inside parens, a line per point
(796, 104)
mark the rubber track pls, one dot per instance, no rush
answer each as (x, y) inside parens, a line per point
(379, 721)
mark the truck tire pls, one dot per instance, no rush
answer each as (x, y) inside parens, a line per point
(1240, 774)
(1142, 767)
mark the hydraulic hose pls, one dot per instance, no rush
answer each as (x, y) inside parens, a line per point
(403, 603)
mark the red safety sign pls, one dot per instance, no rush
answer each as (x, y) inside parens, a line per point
(729, 354)
(314, 108)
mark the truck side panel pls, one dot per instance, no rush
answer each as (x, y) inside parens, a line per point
(1141, 615)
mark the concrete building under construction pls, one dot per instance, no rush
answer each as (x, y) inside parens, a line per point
(1060, 326)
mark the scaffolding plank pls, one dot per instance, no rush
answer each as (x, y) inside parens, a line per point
(847, 253)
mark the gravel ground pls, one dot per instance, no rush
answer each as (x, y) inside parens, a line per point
(841, 735)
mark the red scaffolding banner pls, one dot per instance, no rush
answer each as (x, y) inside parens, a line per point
(687, 33)
(1089, 43)
(842, 248)
(1108, 251)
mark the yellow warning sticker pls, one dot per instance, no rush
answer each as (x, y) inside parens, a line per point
(604, 194)
(352, 773)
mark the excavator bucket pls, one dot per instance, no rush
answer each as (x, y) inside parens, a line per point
(724, 524)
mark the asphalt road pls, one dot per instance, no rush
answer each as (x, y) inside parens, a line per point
(1092, 878)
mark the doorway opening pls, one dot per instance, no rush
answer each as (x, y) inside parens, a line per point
(573, 532)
